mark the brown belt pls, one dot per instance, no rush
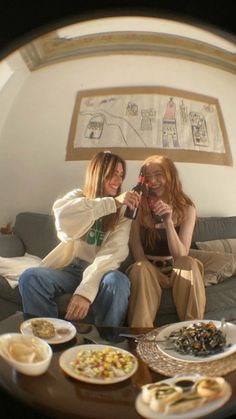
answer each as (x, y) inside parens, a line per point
(164, 266)
(168, 263)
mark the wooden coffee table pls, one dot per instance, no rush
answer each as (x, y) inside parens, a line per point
(59, 396)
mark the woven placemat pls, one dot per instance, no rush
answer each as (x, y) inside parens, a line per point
(150, 353)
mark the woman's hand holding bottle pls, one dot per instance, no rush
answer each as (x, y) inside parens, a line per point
(162, 209)
(130, 198)
(137, 191)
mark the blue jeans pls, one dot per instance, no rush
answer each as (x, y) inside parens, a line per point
(40, 286)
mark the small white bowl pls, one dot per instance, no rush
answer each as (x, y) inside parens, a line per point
(29, 355)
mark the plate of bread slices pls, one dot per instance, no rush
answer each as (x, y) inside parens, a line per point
(183, 397)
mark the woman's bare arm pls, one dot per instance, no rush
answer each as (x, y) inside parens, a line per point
(179, 244)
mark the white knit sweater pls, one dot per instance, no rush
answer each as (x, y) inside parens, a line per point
(74, 216)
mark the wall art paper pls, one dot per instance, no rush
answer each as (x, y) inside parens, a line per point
(136, 122)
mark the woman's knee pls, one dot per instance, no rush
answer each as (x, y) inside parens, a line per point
(30, 277)
(140, 271)
(116, 280)
(26, 276)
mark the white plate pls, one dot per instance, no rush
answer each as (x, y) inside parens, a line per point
(145, 411)
(26, 329)
(230, 330)
(70, 354)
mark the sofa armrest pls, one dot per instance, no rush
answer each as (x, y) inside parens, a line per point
(11, 245)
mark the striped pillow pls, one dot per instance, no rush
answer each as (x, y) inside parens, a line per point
(222, 246)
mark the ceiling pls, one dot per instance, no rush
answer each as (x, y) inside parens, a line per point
(23, 21)
(131, 35)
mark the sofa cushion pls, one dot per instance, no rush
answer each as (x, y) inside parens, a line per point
(214, 228)
(223, 245)
(217, 266)
(37, 232)
(11, 245)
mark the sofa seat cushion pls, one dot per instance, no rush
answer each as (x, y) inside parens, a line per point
(220, 303)
(221, 300)
(8, 308)
(7, 292)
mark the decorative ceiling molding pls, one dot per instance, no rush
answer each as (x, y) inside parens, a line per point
(51, 49)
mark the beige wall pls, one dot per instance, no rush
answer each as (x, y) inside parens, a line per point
(35, 127)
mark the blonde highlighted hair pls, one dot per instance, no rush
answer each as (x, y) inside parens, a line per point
(101, 168)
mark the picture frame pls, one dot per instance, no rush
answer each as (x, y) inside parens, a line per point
(136, 122)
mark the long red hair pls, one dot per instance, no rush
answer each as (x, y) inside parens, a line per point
(174, 196)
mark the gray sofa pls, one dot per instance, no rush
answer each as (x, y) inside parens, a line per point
(35, 234)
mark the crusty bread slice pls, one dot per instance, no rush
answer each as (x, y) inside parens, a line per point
(210, 387)
(185, 403)
(43, 328)
(164, 394)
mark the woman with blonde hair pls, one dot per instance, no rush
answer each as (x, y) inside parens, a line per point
(160, 240)
(94, 238)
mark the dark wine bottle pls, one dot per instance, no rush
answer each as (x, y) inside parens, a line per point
(152, 199)
(140, 188)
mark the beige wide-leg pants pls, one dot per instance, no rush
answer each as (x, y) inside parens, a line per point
(187, 285)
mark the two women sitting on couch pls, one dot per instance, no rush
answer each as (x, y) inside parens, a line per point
(94, 236)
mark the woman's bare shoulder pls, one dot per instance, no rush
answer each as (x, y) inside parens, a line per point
(190, 209)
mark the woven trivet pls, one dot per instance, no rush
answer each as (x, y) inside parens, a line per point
(159, 362)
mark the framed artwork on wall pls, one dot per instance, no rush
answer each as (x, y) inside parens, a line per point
(136, 122)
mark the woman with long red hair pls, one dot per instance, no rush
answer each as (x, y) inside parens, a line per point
(160, 241)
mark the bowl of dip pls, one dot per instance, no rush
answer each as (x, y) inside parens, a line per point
(29, 355)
